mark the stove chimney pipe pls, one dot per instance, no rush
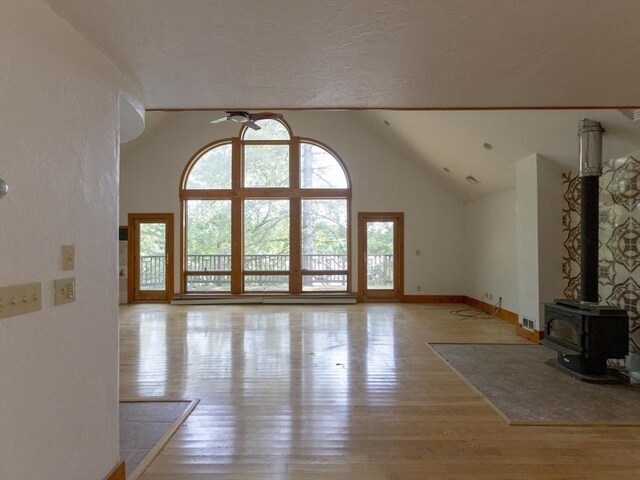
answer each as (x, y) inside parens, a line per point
(590, 134)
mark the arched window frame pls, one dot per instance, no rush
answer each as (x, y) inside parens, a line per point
(238, 193)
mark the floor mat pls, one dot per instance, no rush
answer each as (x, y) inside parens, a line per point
(519, 384)
(145, 427)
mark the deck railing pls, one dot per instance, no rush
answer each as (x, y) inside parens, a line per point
(380, 268)
(208, 263)
(152, 272)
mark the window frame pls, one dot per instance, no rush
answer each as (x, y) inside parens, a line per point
(294, 193)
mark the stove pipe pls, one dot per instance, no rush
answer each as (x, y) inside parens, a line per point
(590, 134)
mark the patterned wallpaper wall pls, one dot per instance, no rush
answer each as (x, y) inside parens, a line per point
(619, 252)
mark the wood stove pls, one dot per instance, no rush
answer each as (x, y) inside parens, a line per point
(584, 333)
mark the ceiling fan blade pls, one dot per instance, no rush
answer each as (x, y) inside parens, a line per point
(265, 116)
(250, 123)
(219, 120)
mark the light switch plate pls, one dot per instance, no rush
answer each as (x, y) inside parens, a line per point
(19, 299)
(65, 290)
(68, 257)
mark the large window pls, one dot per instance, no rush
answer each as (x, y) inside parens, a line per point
(265, 212)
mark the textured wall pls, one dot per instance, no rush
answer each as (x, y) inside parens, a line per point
(59, 153)
(619, 254)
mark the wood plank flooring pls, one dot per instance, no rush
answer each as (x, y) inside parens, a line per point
(342, 392)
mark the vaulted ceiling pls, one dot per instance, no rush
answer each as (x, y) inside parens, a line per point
(369, 53)
(395, 54)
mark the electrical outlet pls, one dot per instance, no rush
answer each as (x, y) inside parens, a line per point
(418, 252)
(527, 323)
(65, 290)
(419, 288)
(68, 257)
(490, 296)
(19, 299)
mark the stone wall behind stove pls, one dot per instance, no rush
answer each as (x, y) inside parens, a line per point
(619, 251)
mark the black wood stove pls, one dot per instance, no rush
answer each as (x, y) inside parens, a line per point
(584, 333)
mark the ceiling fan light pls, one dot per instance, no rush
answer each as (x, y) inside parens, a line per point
(238, 118)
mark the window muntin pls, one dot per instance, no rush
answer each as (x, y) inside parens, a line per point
(208, 235)
(324, 234)
(266, 166)
(233, 268)
(269, 130)
(379, 250)
(324, 283)
(153, 251)
(319, 168)
(212, 170)
(266, 283)
(266, 235)
(209, 283)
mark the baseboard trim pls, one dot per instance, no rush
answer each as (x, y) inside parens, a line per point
(502, 313)
(118, 473)
(531, 335)
(433, 299)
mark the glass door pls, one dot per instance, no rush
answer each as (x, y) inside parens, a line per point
(380, 255)
(151, 262)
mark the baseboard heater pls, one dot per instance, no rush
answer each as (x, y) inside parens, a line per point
(265, 300)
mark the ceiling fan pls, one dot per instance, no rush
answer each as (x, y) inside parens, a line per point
(248, 119)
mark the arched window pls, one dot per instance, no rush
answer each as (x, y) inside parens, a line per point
(265, 212)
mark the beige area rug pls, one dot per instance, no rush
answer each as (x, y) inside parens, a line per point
(524, 390)
(146, 425)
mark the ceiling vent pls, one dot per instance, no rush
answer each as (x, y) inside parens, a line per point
(472, 180)
(634, 115)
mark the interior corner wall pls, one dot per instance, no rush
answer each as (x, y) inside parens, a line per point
(527, 237)
(539, 235)
(550, 244)
(383, 179)
(59, 155)
(491, 253)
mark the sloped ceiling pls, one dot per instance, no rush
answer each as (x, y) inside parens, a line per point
(368, 53)
(413, 54)
(452, 139)
(455, 140)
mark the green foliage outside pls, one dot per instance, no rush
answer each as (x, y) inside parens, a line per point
(152, 239)
(266, 221)
(380, 238)
(213, 170)
(209, 227)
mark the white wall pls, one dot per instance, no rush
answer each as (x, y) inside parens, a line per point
(527, 237)
(491, 255)
(550, 243)
(59, 154)
(539, 235)
(383, 180)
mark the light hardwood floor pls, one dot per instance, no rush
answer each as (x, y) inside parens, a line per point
(342, 392)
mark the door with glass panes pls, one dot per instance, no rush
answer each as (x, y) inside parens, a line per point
(150, 257)
(380, 256)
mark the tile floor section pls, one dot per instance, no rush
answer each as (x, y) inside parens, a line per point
(516, 379)
(142, 425)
